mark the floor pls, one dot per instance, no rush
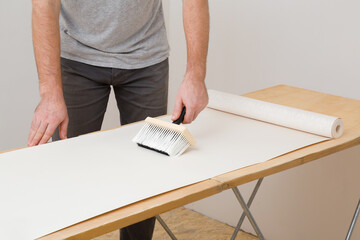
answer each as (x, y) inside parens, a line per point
(187, 224)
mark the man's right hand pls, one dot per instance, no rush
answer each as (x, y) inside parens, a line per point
(49, 114)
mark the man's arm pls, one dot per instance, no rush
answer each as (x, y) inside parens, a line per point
(51, 111)
(192, 92)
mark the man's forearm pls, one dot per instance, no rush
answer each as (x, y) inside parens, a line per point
(196, 26)
(46, 41)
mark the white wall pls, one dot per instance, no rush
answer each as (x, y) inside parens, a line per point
(18, 85)
(312, 44)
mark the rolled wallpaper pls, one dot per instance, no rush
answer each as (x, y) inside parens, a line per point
(311, 122)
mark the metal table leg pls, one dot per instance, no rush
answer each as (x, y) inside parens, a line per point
(353, 222)
(247, 212)
(241, 220)
(166, 228)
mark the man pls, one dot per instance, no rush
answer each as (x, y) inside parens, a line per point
(118, 43)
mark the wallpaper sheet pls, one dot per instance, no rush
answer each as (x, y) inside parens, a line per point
(49, 187)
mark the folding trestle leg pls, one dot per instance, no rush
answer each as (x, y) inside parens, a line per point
(246, 210)
(166, 228)
(352, 225)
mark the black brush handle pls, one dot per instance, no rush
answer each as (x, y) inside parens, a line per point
(181, 118)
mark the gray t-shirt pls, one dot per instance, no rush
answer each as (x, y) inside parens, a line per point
(125, 34)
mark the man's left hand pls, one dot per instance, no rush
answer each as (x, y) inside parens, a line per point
(193, 95)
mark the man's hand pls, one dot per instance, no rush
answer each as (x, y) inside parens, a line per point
(49, 114)
(193, 95)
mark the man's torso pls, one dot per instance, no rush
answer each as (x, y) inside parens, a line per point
(113, 33)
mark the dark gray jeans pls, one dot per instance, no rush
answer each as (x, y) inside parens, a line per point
(139, 93)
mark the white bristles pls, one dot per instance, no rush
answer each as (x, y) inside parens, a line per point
(162, 139)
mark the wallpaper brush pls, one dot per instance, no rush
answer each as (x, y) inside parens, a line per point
(168, 138)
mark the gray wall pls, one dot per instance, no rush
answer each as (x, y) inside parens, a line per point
(18, 86)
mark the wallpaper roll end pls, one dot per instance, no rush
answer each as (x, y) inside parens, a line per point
(338, 128)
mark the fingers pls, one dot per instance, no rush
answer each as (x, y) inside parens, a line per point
(63, 128)
(177, 109)
(39, 134)
(48, 115)
(48, 133)
(194, 105)
(34, 126)
(42, 133)
(190, 111)
(189, 116)
(51, 129)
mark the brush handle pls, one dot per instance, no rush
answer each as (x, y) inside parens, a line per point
(181, 118)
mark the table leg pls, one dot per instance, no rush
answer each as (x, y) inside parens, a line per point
(248, 213)
(241, 220)
(166, 228)
(245, 213)
(352, 225)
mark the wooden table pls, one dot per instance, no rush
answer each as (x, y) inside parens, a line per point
(347, 109)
